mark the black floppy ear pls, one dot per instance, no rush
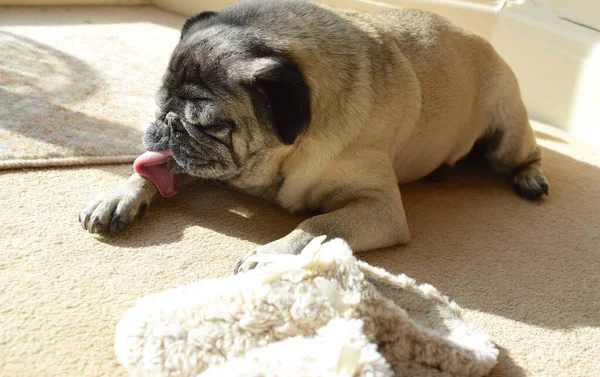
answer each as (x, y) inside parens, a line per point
(192, 20)
(281, 97)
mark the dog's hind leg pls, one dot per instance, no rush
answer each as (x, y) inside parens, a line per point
(510, 145)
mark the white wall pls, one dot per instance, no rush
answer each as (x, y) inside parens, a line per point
(558, 67)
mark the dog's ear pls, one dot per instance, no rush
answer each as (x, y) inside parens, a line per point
(192, 20)
(281, 96)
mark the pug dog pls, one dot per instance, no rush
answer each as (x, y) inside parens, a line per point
(326, 111)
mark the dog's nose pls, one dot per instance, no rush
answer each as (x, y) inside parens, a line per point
(174, 122)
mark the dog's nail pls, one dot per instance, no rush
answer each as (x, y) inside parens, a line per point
(244, 260)
(142, 210)
(115, 224)
(96, 226)
(92, 225)
(86, 221)
(236, 268)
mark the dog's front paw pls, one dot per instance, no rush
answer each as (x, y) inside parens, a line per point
(259, 258)
(114, 211)
(292, 244)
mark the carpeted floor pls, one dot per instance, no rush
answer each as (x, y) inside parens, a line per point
(527, 273)
(77, 84)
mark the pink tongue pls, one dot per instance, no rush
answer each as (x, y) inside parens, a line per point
(153, 166)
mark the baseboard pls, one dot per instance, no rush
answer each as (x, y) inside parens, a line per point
(476, 15)
(558, 66)
(191, 7)
(479, 16)
(75, 2)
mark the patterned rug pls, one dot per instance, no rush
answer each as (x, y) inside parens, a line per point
(77, 84)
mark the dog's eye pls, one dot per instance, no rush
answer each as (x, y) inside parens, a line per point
(217, 128)
(192, 99)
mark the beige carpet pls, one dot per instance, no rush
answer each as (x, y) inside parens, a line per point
(528, 273)
(77, 84)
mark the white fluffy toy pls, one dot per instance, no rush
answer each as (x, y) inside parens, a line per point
(321, 313)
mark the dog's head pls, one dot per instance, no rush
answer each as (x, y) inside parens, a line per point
(226, 96)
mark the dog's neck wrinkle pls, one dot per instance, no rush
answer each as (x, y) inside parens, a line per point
(261, 175)
(285, 174)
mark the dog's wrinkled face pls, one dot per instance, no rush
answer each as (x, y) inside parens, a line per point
(224, 98)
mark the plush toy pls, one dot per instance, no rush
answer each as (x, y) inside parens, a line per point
(319, 313)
